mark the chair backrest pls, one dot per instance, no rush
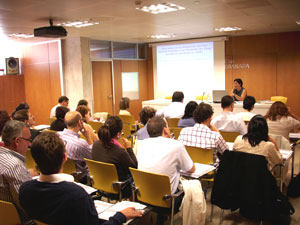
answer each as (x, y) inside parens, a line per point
(173, 122)
(39, 222)
(104, 175)
(29, 161)
(176, 131)
(229, 136)
(152, 187)
(126, 130)
(95, 125)
(279, 99)
(50, 120)
(200, 155)
(128, 119)
(69, 166)
(8, 214)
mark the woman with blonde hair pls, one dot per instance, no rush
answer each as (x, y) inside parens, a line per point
(281, 121)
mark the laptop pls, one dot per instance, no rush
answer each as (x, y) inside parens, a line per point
(217, 95)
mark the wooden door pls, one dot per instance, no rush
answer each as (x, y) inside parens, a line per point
(102, 87)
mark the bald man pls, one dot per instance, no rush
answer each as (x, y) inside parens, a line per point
(76, 147)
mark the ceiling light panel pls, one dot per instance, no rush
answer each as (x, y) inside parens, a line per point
(20, 35)
(227, 29)
(160, 36)
(78, 24)
(161, 8)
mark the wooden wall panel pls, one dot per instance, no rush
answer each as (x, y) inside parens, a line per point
(41, 79)
(11, 91)
(274, 65)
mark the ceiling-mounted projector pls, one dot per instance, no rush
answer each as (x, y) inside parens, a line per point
(51, 31)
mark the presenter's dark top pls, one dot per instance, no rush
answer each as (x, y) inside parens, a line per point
(62, 203)
(239, 93)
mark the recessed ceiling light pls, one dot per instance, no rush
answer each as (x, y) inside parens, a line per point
(160, 36)
(20, 35)
(227, 29)
(78, 23)
(298, 22)
(161, 8)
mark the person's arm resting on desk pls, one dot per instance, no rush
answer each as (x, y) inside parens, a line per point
(123, 216)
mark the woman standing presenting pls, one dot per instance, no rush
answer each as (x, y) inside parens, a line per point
(238, 92)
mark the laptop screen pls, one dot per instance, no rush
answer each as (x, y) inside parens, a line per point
(217, 95)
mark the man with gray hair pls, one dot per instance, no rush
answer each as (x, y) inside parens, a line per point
(16, 139)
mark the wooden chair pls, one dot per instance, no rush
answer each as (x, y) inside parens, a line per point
(50, 120)
(8, 214)
(105, 179)
(95, 125)
(229, 136)
(176, 131)
(279, 99)
(173, 122)
(154, 190)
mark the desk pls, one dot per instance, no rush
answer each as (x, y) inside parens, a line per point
(259, 108)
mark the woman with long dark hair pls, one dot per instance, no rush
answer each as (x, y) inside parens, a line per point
(187, 120)
(109, 150)
(257, 141)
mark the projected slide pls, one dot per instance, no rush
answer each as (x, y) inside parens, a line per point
(185, 67)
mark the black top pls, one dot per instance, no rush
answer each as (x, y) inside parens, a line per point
(62, 203)
(34, 133)
(58, 125)
(239, 93)
(121, 158)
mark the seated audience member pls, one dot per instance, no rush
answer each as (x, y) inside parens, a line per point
(145, 114)
(4, 117)
(281, 121)
(203, 134)
(257, 141)
(124, 106)
(59, 123)
(77, 148)
(227, 121)
(85, 113)
(163, 155)
(82, 102)
(109, 150)
(62, 101)
(175, 109)
(13, 172)
(25, 116)
(22, 105)
(187, 120)
(248, 106)
(238, 92)
(53, 198)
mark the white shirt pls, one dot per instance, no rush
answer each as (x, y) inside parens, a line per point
(246, 116)
(164, 156)
(52, 113)
(283, 126)
(174, 110)
(227, 121)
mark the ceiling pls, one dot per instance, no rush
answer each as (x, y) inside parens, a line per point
(120, 21)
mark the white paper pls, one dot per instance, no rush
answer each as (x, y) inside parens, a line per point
(201, 169)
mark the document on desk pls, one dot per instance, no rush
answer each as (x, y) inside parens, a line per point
(201, 169)
(105, 210)
(88, 189)
(286, 154)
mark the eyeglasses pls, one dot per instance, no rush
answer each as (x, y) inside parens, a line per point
(26, 139)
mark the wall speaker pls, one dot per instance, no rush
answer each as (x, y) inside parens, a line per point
(12, 65)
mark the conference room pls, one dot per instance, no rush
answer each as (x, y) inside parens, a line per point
(127, 51)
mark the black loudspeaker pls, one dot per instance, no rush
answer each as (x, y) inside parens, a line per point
(12, 65)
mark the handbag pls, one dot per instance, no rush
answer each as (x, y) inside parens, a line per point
(293, 189)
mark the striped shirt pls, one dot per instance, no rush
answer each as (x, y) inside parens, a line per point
(77, 149)
(12, 174)
(202, 137)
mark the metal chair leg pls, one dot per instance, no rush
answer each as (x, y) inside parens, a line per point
(172, 212)
(221, 217)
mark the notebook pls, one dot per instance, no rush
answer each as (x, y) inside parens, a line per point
(217, 95)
